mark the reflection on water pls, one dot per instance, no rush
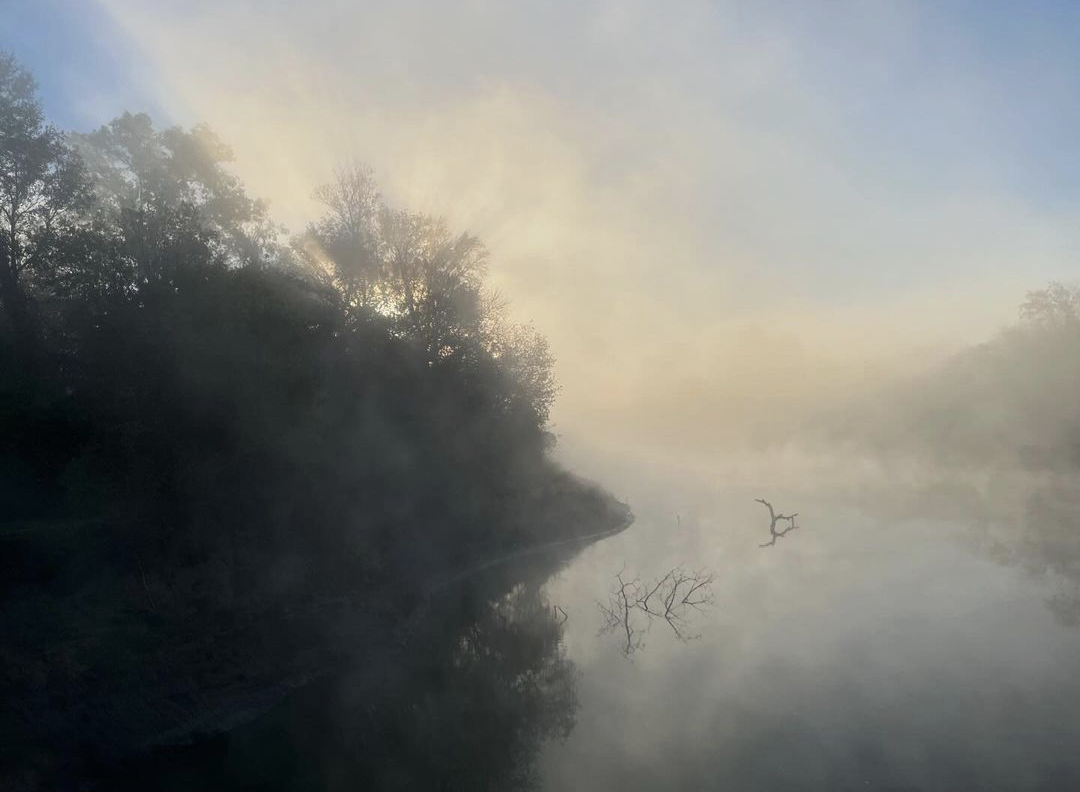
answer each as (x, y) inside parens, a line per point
(1018, 518)
(1047, 545)
(777, 517)
(673, 598)
(876, 652)
(466, 707)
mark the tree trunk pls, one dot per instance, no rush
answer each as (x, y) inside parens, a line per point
(23, 336)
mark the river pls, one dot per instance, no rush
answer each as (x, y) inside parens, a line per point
(912, 634)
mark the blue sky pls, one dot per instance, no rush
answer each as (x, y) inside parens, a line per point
(86, 70)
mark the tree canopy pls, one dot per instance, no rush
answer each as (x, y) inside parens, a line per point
(426, 284)
(43, 195)
(214, 430)
(147, 180)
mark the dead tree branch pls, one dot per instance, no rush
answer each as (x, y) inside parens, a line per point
(632, 606)
(774, 518)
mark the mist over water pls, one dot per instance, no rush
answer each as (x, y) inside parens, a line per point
(570, 395)
(883, 645)
(909, 635)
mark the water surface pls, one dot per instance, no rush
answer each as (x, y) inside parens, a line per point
(878, 647)
(908, 636)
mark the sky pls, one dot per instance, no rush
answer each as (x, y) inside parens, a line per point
(724, 215)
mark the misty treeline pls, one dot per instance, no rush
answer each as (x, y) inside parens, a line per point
(207, 425)
(169, 354)
(990, 439)
(1009, 401)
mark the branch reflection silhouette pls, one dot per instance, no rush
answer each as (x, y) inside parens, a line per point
(632, 605)
(774, 518)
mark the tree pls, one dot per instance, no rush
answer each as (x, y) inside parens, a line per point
(427, 284)
(435, 280)
(1056, 306)
(409, 268)
(42, 190)
(162, 187)
(343, 250)
(524, 357)
(247, 455)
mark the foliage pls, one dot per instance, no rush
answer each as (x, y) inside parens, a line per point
(426, 284)
(151, 182)
(1008, 401)
(371, 343)
(43, 193)
(1058, 305)
(211, 433)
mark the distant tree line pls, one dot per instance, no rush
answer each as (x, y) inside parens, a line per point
(1009, 401)
(995, 435)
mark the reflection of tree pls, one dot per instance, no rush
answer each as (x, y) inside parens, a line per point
(1045, 541)
(633, 605)
(480, 714)
(774, 518)
(467, 708)
(1029, 521)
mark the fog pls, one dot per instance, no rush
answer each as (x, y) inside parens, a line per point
(309, 372)
(704, 197)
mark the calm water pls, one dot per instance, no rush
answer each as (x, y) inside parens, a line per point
(909, 636)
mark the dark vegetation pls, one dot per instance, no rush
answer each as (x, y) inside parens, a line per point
(219, 443)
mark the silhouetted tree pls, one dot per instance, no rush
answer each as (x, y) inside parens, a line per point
(427, 284)
(42, 190)
(407, 267)
(160, 186)
(219, 441)
(343, 249)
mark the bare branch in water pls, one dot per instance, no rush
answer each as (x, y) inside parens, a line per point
(774, 518)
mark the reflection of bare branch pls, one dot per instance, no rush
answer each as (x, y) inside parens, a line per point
(557, 610)
(774, 518)
(670, 597)
(617, 611)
